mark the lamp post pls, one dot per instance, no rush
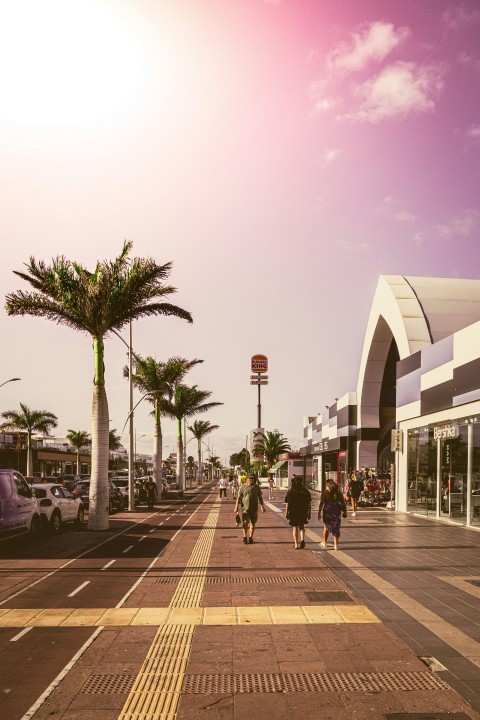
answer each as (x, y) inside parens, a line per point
(11, 380)
(135, 451)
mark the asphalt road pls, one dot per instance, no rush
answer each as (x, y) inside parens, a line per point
(76, 568)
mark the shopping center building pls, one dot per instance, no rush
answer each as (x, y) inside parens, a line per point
(416, 408)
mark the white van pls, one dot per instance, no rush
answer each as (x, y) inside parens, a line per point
(18, 506)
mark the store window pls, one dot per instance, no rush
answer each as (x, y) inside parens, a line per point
(475, 498)
(422, 471)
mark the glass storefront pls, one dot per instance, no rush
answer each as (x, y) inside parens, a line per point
(443, 463)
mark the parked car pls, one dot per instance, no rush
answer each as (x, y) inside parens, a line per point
(122, 484)
(57, 505)
(69, 481)
(116, 501)
(19, 511)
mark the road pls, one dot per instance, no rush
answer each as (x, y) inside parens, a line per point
(75, 569)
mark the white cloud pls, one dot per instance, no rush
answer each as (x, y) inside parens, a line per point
(404, 216)
(392, 208)
(359, 249)
(455, 18)
(472, 134)
(469, 61)
(460, 225)
(325, 104)
(398, 90)
(373, 43)
(330, 154)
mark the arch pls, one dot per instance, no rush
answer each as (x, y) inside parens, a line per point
(396, 317)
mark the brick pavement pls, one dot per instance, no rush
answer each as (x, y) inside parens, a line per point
(291, 667)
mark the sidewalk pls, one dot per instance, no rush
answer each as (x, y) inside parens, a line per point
(221, 630)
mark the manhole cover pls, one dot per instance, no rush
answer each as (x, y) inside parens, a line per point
(329, 597)
(474, 582)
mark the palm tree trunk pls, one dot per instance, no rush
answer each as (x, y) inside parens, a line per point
(157, 450)
(99, 492)
(199, 479)
(29, 454)
(180, 482)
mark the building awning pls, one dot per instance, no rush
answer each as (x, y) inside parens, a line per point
(277, 465)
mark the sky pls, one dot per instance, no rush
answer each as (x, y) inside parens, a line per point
(283, 154)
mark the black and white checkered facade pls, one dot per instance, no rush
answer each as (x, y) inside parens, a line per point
(420, 364)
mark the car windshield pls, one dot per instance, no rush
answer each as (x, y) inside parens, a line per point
(120, 482)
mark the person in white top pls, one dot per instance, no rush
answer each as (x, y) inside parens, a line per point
(223, 485)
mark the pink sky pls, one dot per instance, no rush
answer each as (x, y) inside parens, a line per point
(282, 153)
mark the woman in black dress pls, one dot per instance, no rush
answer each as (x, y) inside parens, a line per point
(298, 503)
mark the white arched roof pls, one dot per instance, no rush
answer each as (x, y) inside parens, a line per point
(416, 312)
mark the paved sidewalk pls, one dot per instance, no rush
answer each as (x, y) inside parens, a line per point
(263, 630)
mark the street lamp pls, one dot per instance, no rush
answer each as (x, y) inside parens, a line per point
(135, 452)
(11, 380)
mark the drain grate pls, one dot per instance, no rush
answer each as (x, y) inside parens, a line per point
(245, 580)
(427, 716)
(108, 684)
(329, 597)
(311, 682)
(474, 582)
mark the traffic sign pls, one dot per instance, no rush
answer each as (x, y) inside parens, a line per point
(259, 377)
(258, 382)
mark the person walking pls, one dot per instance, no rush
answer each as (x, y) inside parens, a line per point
(223, 485)
(331, 509)
(151, 492)
(234, 486)
(355, 487)
(298, 503)
(249, 498)
(271, 486)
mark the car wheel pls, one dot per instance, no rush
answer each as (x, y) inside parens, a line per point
(80, 516)
(35, 527)
(56, 522)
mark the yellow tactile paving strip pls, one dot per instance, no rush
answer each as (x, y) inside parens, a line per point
(157, 689)
(168, 616)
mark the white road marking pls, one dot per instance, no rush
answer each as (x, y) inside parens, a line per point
(273, 507)
(153, 529)
(142, 538)
(21, 634)
(80, 587)
(108, 564)
(127, 549)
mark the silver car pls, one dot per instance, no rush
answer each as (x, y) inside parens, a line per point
(57, 505)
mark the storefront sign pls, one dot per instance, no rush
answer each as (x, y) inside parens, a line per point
(397, 441)
(259, 364)
(445, 432)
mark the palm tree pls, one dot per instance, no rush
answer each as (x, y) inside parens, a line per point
(29, 421)
(156, 380)
(185, 402)
(114, 440)
(96, 303)
(269, 445)
(78, 439)
(200, 429)
(215, 464)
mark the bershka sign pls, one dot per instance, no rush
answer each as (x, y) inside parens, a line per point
(445, 432)
(259, 363)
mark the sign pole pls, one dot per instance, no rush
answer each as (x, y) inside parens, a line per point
(259, 407)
